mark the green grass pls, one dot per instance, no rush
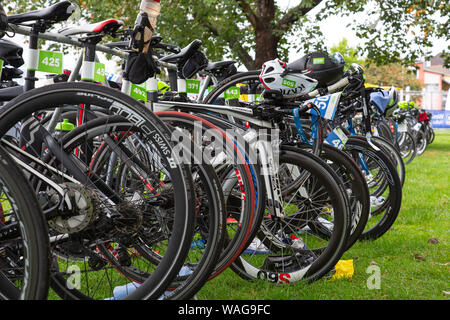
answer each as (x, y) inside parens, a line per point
(411, 267)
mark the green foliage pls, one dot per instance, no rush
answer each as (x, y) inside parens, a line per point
(392, 74)
(350, 54)
(395, 31)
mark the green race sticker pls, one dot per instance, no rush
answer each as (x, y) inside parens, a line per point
(232, 93)
(99, 73)
(193, 86)
(139, 92)
(1, 68)
(258, 98)
(50, 62)
(318, 60)
(288, 83)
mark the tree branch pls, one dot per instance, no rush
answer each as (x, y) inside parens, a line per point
(294, 14)
(243, 54)
(249, 13)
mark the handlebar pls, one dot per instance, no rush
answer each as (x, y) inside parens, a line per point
(330, 89)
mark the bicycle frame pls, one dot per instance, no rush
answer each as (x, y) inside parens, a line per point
(267, 150)
(42, 134)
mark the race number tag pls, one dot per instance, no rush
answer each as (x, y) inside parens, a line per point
(327, 105)
(193, 86)
(232, 93)
(99, 72)
(139, 92)
(50, 62)
(417, 126)
(337, 139)
(402, 127)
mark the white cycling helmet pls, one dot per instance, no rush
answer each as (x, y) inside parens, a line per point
(393, 97)
(274, 77)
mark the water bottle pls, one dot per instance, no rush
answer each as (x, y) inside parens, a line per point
(121, 292)
(62, 128)
(152, 9)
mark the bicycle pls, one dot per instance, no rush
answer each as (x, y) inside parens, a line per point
(82, 93)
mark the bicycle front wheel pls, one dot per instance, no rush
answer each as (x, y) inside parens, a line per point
(24, 242)
(109, 214)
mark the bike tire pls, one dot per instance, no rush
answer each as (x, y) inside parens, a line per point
(115, 102)
(31, 232)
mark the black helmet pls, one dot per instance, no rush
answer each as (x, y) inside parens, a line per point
(320, 66)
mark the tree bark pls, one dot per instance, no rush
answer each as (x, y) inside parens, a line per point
(266, 45)
(265, 42)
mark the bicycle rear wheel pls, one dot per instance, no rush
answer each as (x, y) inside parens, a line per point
(210, 222)
(296, 247)
(355, 187)
(382, 178)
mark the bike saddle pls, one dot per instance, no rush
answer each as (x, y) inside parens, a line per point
(11, 53)
(58, 12)
(109, 27)
(185, 53)
(222, 69)
(167, 47)
(218, 66)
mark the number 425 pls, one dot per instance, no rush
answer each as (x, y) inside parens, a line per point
(51, 61)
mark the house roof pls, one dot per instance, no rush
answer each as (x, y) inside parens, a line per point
(437, 60)
(438, 69)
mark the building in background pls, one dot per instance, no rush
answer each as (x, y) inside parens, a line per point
(434, 97)
(435, 79)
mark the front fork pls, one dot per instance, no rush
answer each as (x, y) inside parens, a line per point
(268, 155)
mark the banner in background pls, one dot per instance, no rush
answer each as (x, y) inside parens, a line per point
(440, 118)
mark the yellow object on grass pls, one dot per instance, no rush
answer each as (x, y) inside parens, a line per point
(344, 269)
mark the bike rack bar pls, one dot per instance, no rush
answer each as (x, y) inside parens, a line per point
(74, 42)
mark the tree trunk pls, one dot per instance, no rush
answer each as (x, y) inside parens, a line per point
(265, 48)
(265, 42)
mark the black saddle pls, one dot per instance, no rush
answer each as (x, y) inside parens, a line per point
(58, 12)
(218, 66)
(222, 69)
(185, 53)
(11, 53)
